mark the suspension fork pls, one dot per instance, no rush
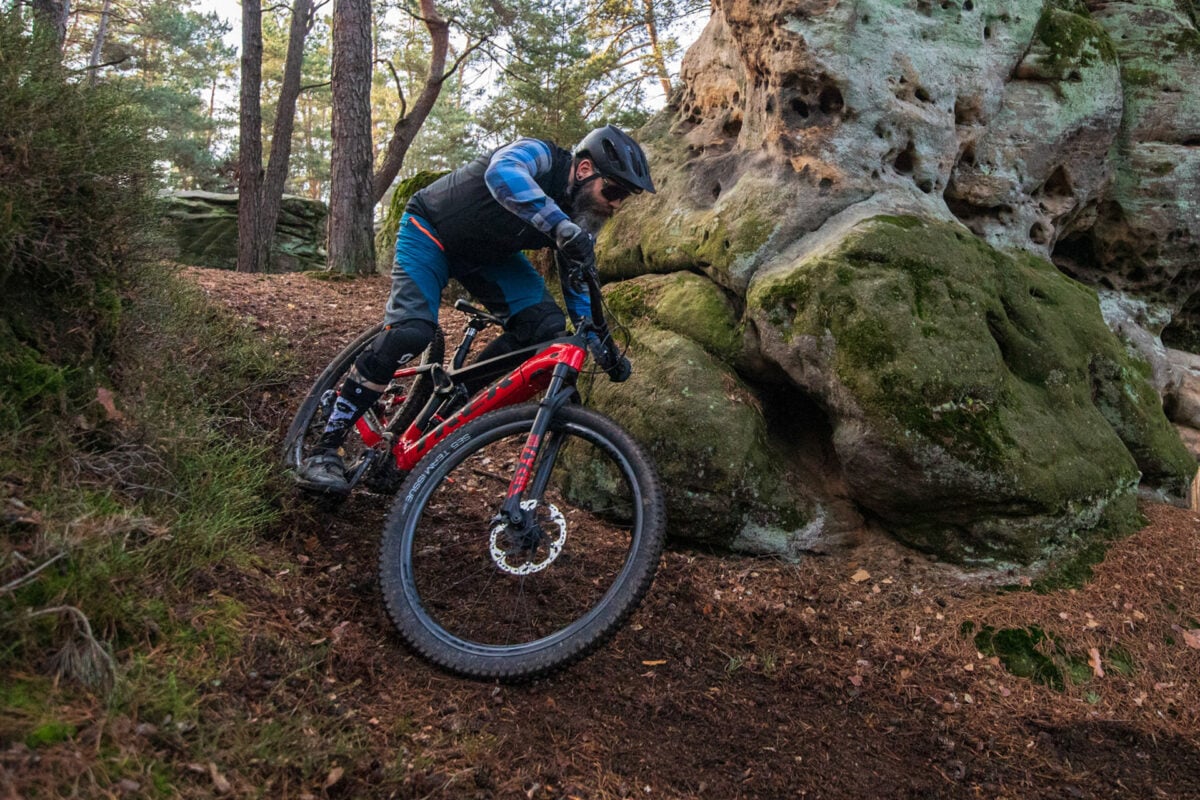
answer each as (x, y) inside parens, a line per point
(558, 393)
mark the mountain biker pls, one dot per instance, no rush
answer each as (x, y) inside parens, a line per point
(472, 225)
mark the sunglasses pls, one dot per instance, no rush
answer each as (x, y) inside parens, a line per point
(613, 191)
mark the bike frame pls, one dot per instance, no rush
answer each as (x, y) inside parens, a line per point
(557, 364)
(550, 369)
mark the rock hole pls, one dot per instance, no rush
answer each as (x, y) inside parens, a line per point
(925, 186)
(987, 32)
(770, 105)
(800, 107)
(1058, 184)
(968, 6)
(824, 186)
(732, 128)
(728, 244)
(947, 5)
(968, 155)
(866, 19)
(830, 100)
(1191, 141)
(736, 98)
(906, 162)
(967, 111)
(1039, 233)
(922, 94)
(716, 191)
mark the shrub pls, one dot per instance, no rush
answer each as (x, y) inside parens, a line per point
(75, 189)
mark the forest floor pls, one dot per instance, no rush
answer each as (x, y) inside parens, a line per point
(861, 674)
(873, 672)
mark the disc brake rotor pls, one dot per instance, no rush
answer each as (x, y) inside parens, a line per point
(549, 516)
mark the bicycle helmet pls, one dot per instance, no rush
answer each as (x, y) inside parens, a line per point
(617, 157)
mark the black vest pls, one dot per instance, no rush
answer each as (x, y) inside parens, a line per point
(473, 227)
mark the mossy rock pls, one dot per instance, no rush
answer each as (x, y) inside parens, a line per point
(981, 407)
(684, 303)
(203, 226)
(706, 433)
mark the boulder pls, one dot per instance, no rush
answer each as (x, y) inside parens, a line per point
(981, 407)
(727, 482)
(873, 191)
(203, 226)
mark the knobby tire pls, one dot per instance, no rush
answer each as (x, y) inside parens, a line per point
(463, 607)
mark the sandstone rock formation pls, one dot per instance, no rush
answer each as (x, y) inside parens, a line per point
(871, 191)
(203, 226)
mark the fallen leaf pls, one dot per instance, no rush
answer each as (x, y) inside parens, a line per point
(860, 576)
(106, 399)
(1192, 638)
(857, 680)
(334, 776)
(1095, 663)
(655, 663)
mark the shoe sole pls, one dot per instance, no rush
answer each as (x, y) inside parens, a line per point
(322, 488)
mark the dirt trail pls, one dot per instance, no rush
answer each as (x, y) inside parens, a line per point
(850, 676)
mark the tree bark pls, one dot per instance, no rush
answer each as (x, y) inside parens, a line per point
(260, 193)
(406, 127)
(660, 63)
(271, 197)
(50, 20)
(351, 231)
(250, 176)
(98, 45)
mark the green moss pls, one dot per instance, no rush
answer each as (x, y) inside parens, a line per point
(684, 303)
(1136, 76)
(906, 222)
(50, 733)
(1025, 652)
(988, 373)
(1073, 38)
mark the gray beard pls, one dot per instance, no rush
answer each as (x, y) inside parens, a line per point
(589, 214)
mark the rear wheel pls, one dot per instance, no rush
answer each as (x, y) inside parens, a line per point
(394, 411)
(490, 600)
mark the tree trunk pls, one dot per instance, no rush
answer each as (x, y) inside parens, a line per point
(98, 45)
(660, 64)
(250, 174)
(271, 197)
(351, 232)
(406, 127)
(50, 20)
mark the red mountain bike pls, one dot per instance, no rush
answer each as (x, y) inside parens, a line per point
(523, 534)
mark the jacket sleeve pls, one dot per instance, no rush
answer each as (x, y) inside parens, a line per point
(511, 177)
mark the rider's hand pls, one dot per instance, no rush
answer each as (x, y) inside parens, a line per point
(577, 251)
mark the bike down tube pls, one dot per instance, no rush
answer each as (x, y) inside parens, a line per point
(520, 385)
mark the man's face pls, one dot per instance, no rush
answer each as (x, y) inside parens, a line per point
(597, 200)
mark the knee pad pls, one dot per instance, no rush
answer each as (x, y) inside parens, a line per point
(393, 348)
(538, 323)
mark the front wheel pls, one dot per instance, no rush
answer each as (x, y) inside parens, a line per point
(475, 597)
